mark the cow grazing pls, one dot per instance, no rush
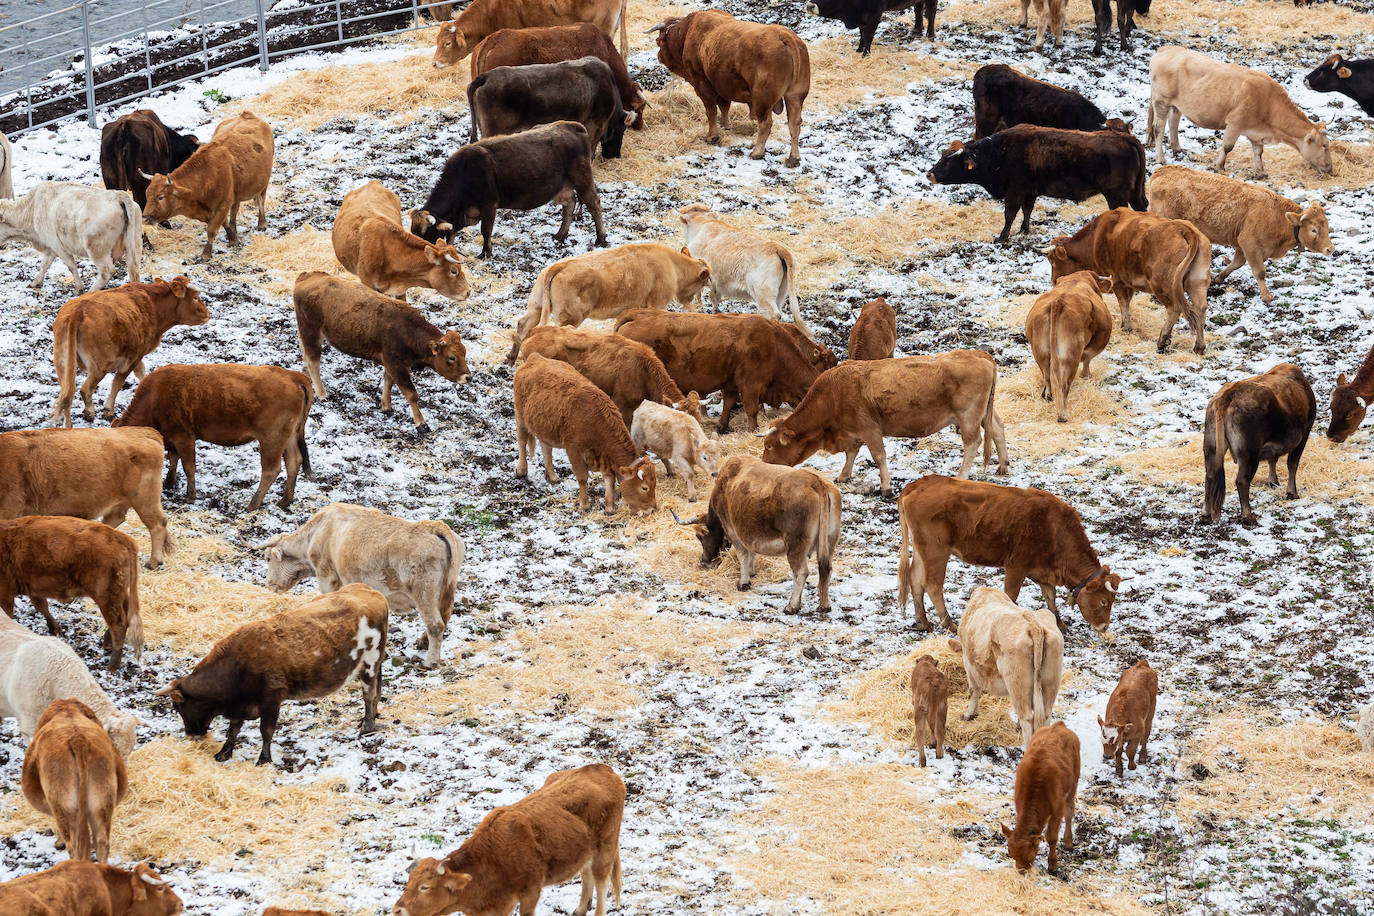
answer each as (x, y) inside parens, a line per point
(1168, 258)
(235, 166)
(64, 559)
(866, 15)
(507, 100)
(415, 564)
(603, 284)
(367, 325)
(370, 241)
(1349, 400)
(1260, 418)
(744, 265)
(1003, 97)
(874, 334)
(1354, 78)
(551, 162)
(1045, 794)
(1125, 20)
(1258, 223)
(859, 402)
(88, 889)
(1049, 13)
(1130, 715)
(304, 653)
(1010, 652)
(676, 438)
(1066, 327)
(73, 773)
(1216, 95)
(36, 670)
(227, 404)
(568, 826)
(482, 18)
(1024, 162)
(726, 60)
(549, 45)
(138, 144)
(111, 331)
(6, 169)
(989, 525)
(69, 221)
(929, 706)
(557, 407)
(86, 473)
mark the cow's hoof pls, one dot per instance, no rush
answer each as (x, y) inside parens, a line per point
(793, 609)
(825, 609)
(756, 155)
(1199, 350)
(1249, 521)
(263, 761)
(223, 756)
(792, 161)
(968, 718)
(714, 141)
(743, 586)
(1290, 496)
(284, 502)
(422, 430)
(1162, 347)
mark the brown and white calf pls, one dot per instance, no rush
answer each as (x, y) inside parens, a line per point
(677, 439)
(1066, 328)
(1350, 399)
(370, 242)
(1049, 13)
(1130, 715)
(744, 264)
(1045, 794)
(929, 706)
(874, 334)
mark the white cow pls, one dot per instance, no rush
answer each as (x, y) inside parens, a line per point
(676, 438)
(743, 265)
(35, 670)
(415, 564)
(6, 169)
(1365, 727)
(72, 221)
(1011, 652)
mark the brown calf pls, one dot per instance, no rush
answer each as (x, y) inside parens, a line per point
(1066, 327)
(83, 888)
(1130, 715)
(874, 335)
(370, 241)
(929, 706)
(1349, 400)
(481, 18)
(1045, 793)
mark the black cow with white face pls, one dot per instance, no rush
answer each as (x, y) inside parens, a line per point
(1354, 78)
(865, 15)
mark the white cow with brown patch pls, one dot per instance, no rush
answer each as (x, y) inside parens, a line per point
(677, 439)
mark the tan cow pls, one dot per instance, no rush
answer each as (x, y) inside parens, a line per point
(1066, 327)
(459, 38)
(99, 890)
(371, 242)
(1130, 715)
(744, 264)
(1050, 13)
(603, 284)
(235, 166)
(1010, 652)
(874, 334)
(1045, 794)
(1216, 95)
(74, 774)
(929, 706)
(1259, 224)
(676, 438)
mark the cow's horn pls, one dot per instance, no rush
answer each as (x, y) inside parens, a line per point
(155, 882)
(444, 226)
(675, 517)
(146, 175)
(429, 217)
(440, 868)
(658, 28)
(165, 691)
(451, 259)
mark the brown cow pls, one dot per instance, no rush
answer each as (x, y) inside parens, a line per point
(87, 889)
(1130, 715)
(1349, 400)
(62, 558)
(111, 330)
(726, 60)
(231, 405)
(874, 334)
(73, 773)
(367, 325)
(86, 473)
(1045, 793)
(1029, 533)
(370, 241)
(859, 402)
(235, 166)
(1169, 258)
(482, 18)
(1066, 327)
(929, 706)
(570, 825)
(558, 408)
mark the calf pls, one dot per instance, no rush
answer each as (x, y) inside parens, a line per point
(874, 334)
(71, 221)
(1003, 97)
(111, 331)
(1049, 13)
(551, 162)
(305, 653)
(235, 166)
(136, 144)
(1125, 20)
(1349, 399)
(743, 265)
(227, 405)
(73, 773)
(367, 325)
(1024, 162)
(1365, 727)
(102, 890)
(481, 18)
(1258, 223)
(603, 284)
(929, 706)
(370, 241)
(1130, 715)
(860, 401)
(866, 15)
(1066, 327)
(1045, 794)
(558, 408)
(1216, 95)
(415, 564)
(86, 473)
(676, 438)
(1256, 419)
(570, 825)
(6, 169)
(64, 559)
(1028, 533)
(1354, 78)
(1169, 258)
(1010, 652)
(507, 100)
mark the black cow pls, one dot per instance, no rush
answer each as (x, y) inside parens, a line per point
(1021, 163)
(1354, 78)
(507, 100)
(865, 15)
(552, 162)
(1125, 20)
(1003, 97)
(139, 143)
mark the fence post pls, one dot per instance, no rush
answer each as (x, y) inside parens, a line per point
(90, 70)
(262, 37)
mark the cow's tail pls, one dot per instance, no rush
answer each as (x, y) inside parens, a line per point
(308, 392)
(1139, 200)
(993, 432)
(539, 309)
(829, 531)
(789, 286)
(6, 177)
(905, 585)
(624, 52)
(455, 561)
(132, 238)
(133, 634)
(1214, 456)
(64, 359)
(477, 83)
(1039, 715)
(1057, 378)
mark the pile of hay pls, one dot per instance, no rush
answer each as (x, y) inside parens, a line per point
(841, 78)
(1031, 421)
(287, 256)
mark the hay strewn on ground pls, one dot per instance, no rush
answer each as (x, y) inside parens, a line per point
(1033, 426)
(841, 78)
(287, 256)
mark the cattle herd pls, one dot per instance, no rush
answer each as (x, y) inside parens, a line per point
(548, 85)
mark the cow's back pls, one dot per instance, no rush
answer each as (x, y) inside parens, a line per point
(1219, 206)
(67, 889)
(371, 201)
(562, 408)
(248, 141)
(80, 472)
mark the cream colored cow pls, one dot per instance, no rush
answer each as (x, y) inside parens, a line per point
(743, 265)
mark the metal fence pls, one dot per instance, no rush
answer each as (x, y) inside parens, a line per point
(80, 58)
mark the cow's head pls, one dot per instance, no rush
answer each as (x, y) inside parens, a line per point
(690, 405)
(150, 894)
(430, 228)
(1316, 149)
(710, 533)
(613, 138)
(782, 445)
(844, 10)
(122, 729)
(956, 166)
(1061, 262)
(695, 213)
(435, 887)
(638, 485)
(1114, 737)
(1021, 848)
(1331, 76)
(451, 45)
(1101, 284)
(710, 456)
(1312, 230)
(1118, 125)
(692, 279)
(285, 567)
(445, 274)
(1347, 410)
(1095, 599)
(165, 198)
(449, 357)
(196, 713)
(190, 309)
(672, 35)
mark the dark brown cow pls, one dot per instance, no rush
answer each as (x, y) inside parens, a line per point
(87, 889)
(874, 334)
(1046, 794)
(1130, 715)
(137, 144)
(929, 706)
(508, 100)
(1349, 400)
(1028, 533)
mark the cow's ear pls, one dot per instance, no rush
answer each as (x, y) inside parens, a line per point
(179, 287)
(785, 436)
(1294, 219)
(1101, 724)
(1059, 253)
(1340, 379)
(434, 347)
(968, 163)
(1343, 72)
(1104, 284)
(700, 530)
(1113, 582)
(432, 254)
(137, 889)
(451, 27)
(455, 881)
(1006, 831)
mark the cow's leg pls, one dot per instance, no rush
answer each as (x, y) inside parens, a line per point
(216, 222)
(488, 220)
(712, 129)
(608, 479)
(1273, 472)
(584, 902)
(95, 374)
(1070, 808)
(1025, 14)
(40, 605)
(529, 902)
(270, 459)
(1039, 29)
(104, 268)
(1172, 312)
(522, 442)
(1257, 148)
(916, 581)
(868, 28)
(434, 633)
(387, 384)
(684, 467)
(294, 460)
(1102, 10)
(794, 126)
(1237, 260)
(728, 400)
(1228, 143)
(43, 271)
(935, 587)
(1026, 207)
(591, 199)
(751, 410)
(372, 687)
(407, 385)
(746, 568)
(972, 434)
(849, 455)
(1175, 115)
(186, 448)
(546, 450)
(119, 379)
(1047, 592)
(562, 234)
(918, 731)
(267, 727)
(579, 468)
(975, 693)
(764, 116)
(1294, 457)
(140, 370)
(1124, 295)
(1246, 466)
(311, 348)
(231, 738)
(796, 558)
(878, 452)
(1257, 266)
(992, 427)
(261, 201)
(1052, 840)
(1124, 24)
(1009, 208)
